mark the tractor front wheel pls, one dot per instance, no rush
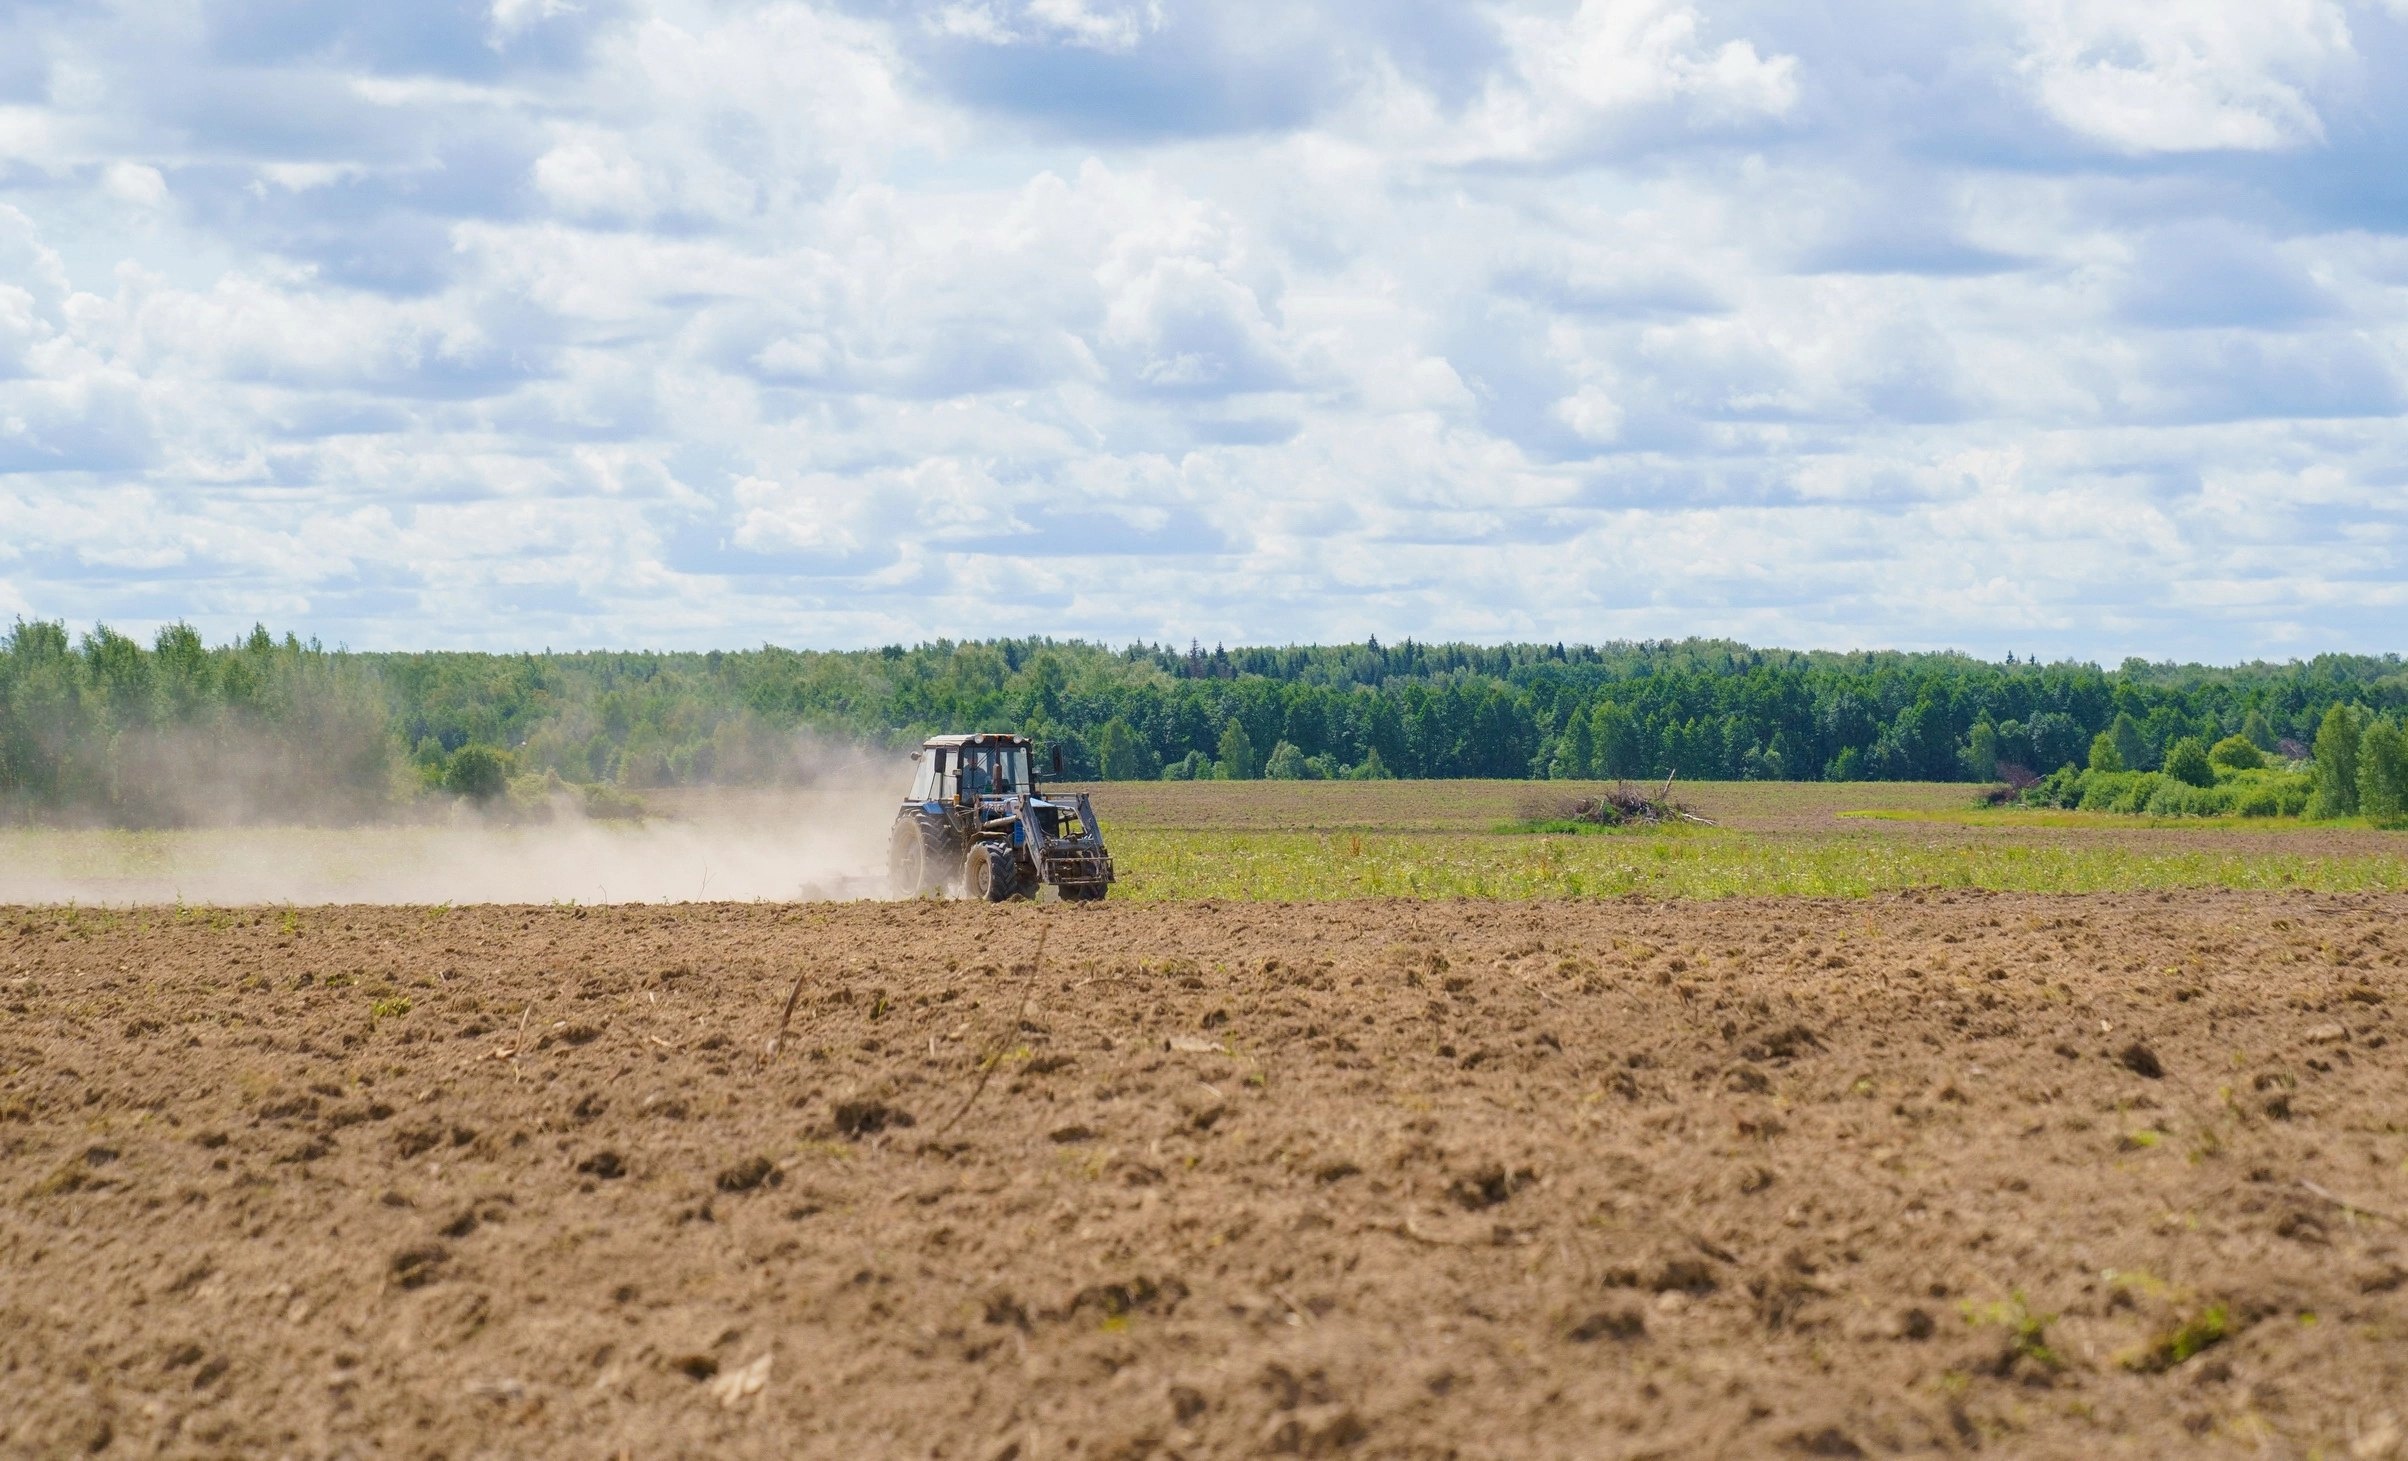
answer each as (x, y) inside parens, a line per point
(990, 873)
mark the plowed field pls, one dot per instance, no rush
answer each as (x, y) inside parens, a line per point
(2046, 1175)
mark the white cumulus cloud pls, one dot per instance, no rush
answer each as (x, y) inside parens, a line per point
(2028, 326)
(2204, 76)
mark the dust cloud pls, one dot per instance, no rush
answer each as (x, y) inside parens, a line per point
(820, 842)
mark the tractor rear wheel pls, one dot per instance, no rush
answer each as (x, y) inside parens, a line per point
(916, 857)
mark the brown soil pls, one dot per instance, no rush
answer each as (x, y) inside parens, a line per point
(2053, 1176)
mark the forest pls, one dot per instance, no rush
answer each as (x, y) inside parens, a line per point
(101, 727)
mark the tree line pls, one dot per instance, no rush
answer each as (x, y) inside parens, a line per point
(100, 726)
(2357, 767)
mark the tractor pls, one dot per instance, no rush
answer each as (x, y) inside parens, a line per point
(975, 823)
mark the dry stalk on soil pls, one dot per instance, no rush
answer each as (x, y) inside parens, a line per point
(2349, 1205)
(1406, 1230)
(994, 1054)
(779, 1039)
(518, 1043)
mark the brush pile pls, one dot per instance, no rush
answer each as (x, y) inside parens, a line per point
(2013, 782)
(1622, 805)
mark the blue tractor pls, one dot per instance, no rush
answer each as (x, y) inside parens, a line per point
(974, 823)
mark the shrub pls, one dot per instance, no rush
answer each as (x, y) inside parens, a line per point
(2235, 753)
(2116, 791)
(2135, 798)
(2259, 801)
(1287, 763)
(2099, 789)
(2182, 799)
(1194, 766)
(479, 773)
(2063, 787)
(1372, 768)
(606, 802)
(2273, 792)
(2186, 761)
(2269, 792)
(533, 795)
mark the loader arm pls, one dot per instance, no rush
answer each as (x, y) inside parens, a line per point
(1073, 854)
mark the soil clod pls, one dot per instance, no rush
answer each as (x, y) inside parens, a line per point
(860, 1118)
(1488, 1186)
(1610, 1324)
(2141, 1061)
(417, 1267)
(745, 1176)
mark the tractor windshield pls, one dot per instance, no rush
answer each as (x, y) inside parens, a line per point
(994, 770)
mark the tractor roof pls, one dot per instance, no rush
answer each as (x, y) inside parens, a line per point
(980, 738)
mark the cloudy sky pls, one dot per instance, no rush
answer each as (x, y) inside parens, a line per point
(2030, 325)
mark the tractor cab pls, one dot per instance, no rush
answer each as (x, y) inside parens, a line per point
(955, 767)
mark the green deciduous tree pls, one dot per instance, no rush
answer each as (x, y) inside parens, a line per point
(1617, 742)
(2131, 742)
(1286, 764)
(1574, 753)
(2383, 772)
(1981, 751)
(1118, 754)
(2336, 765)
(2104, 755)
(1236, 753)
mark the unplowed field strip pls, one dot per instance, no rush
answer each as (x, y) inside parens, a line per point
(2048, 1175)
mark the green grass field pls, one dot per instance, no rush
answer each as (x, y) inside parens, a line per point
(1241, 840)
(1265, 840)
